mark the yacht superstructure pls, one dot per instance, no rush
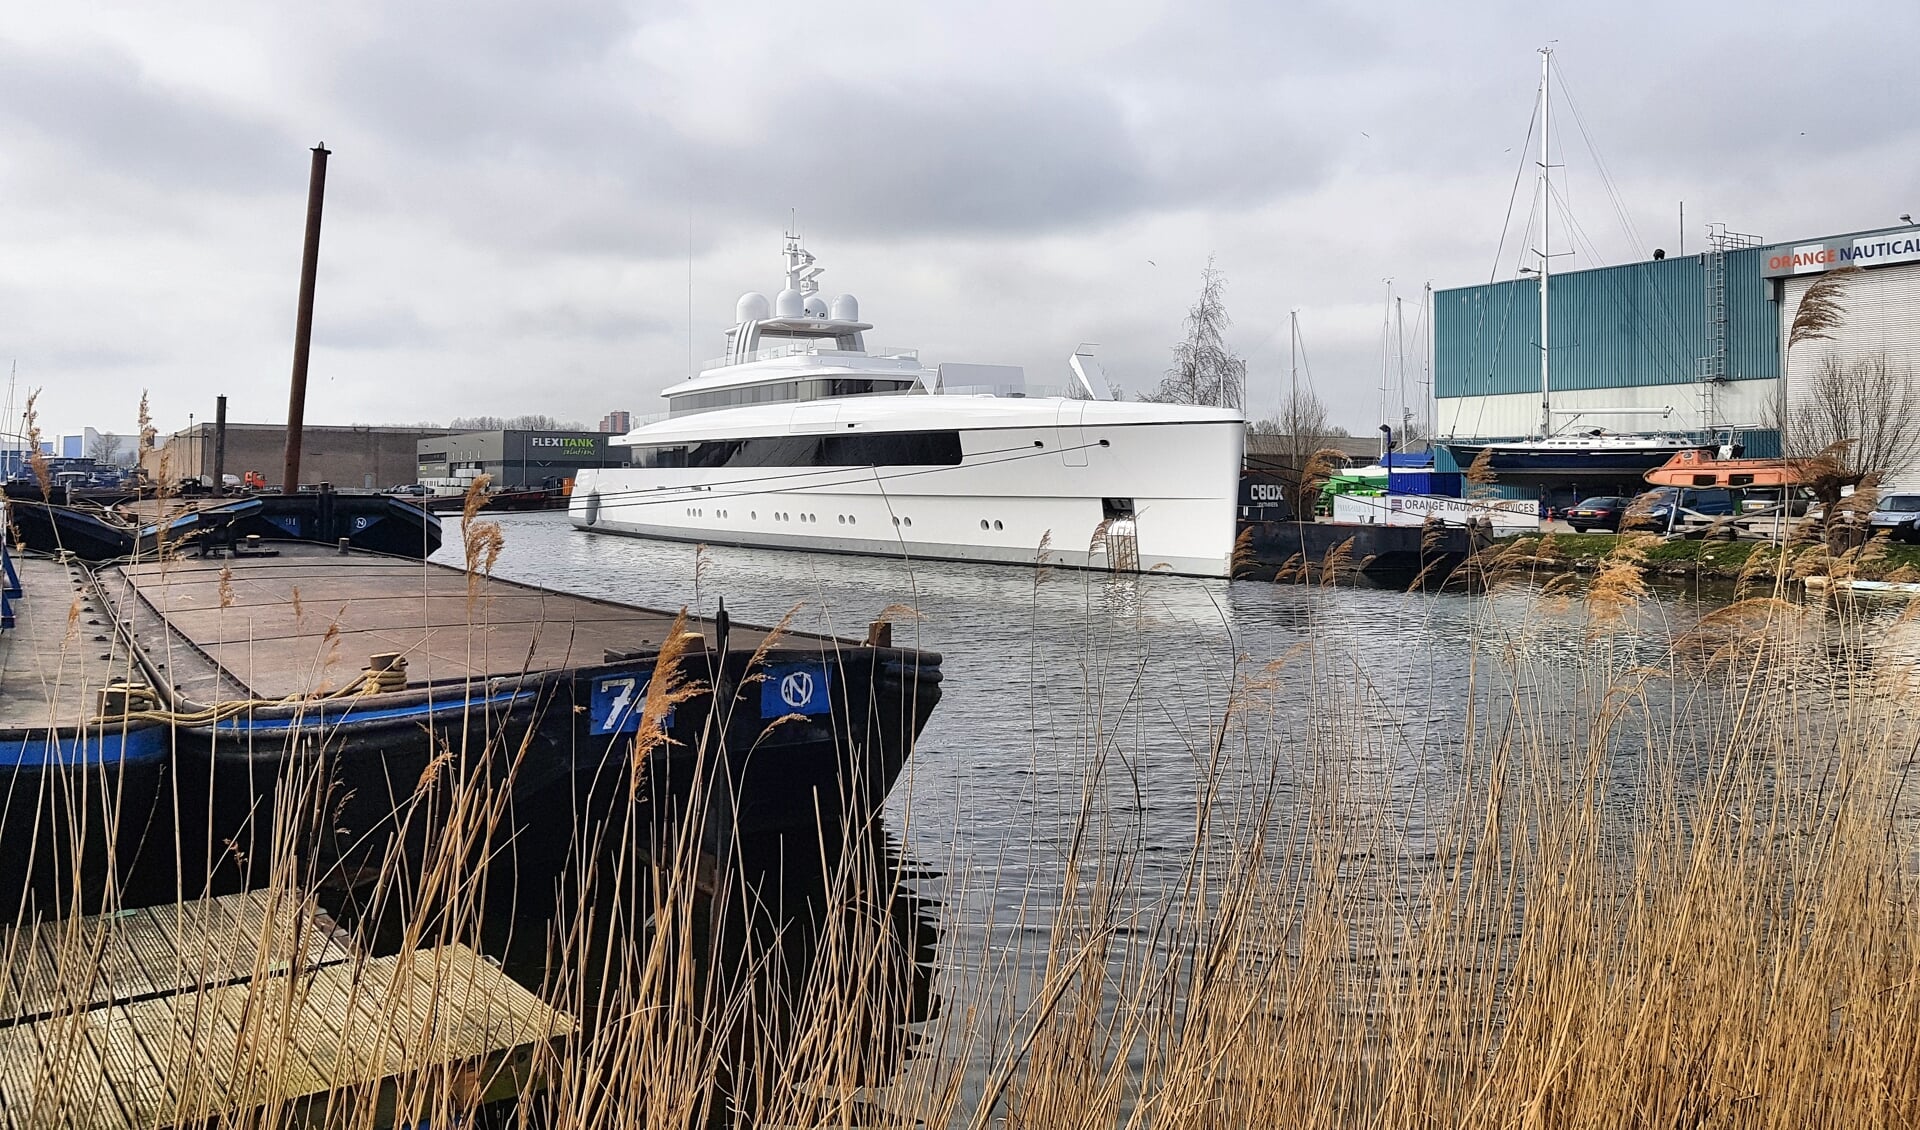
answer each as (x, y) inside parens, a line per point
(801, 437)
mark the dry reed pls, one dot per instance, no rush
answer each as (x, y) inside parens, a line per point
(1820, 311)
(1664, 890)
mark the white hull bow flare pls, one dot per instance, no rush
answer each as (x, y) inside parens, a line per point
(814, 443)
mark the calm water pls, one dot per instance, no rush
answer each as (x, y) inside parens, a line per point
(1046, 669)
(1050, 673)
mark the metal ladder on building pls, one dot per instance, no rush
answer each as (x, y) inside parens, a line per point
(1711, 371)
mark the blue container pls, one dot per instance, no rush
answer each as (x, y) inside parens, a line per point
(1444, 483)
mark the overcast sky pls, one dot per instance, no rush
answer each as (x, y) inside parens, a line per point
(550, 207)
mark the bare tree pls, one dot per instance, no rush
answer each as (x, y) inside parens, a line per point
(531, 422)
(1297, 432)
(107, 449)
(1205, 370)
(540, 422)
(1866, 412)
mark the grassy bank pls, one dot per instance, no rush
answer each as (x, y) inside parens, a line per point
(1878, 560)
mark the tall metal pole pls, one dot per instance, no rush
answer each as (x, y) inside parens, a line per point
(220, 445)
(303, 326)
(1546, 236)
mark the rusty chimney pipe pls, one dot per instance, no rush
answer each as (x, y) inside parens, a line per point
(220, 446)
(303, 326)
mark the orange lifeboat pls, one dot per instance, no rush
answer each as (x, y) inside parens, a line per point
(1698, 468)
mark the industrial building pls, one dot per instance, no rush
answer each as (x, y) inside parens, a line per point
(516, 460)
(1691, 344)
(360, 457)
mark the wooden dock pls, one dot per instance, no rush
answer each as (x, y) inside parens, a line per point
(250, 1004)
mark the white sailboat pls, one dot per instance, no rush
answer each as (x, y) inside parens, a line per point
(1590, 454)
(801, 437)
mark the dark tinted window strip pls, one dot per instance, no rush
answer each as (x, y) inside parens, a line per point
(812, 389)
(873, 449)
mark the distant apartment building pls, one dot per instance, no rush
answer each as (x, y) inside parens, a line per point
(619, 423)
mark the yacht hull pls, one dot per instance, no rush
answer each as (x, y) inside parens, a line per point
(1125, 497)
(1589, 464)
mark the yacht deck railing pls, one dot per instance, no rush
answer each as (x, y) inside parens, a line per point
(811, 349)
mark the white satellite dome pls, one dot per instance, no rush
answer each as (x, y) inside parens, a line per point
(845, 308)
(752, 307)
(816, 306)
(790, 304)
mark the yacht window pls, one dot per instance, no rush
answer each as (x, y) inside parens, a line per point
(874, 449)
(735, 397)
(781, 391)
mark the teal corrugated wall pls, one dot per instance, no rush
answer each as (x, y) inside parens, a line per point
(1614, 327)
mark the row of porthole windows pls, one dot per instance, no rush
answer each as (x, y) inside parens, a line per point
(996, 524)
(783, 516)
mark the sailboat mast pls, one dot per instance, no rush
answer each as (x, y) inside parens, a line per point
(1428, 408)
(1546, 233)
(1400, 356)
(1293, 362)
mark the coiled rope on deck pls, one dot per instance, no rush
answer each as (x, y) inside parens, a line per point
(384, 674)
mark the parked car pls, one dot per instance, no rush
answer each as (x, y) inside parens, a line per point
(1899, 515)
(1661, 504)
(1600, 513)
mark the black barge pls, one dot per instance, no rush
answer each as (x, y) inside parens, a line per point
(314, 694)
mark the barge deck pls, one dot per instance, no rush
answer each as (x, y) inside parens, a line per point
(315, 695)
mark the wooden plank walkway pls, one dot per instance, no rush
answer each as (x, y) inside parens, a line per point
(87, 962)
(251, 1003)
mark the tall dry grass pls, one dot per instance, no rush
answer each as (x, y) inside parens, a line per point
(1662, 878)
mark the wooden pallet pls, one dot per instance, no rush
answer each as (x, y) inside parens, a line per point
(292, 1028)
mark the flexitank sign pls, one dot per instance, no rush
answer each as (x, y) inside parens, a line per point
(1878, 250)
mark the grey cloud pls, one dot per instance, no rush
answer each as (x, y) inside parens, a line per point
(100, 108)
(536, 144)
(940, 158)
(576, 321)
(500, 81)
(93, 357)
(390, 327)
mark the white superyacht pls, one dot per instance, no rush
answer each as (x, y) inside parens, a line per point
(803, 438)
